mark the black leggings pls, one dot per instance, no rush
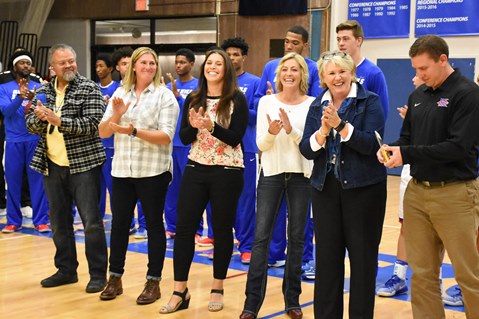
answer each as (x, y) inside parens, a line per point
(222, 187)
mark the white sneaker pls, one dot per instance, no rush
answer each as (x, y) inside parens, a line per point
(27, 211)
(393, 287)
(77, 219)
(308, 271)
(278, 263)
(141, 233)
(454, 298)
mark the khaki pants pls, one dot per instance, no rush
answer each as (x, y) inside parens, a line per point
(436, 217)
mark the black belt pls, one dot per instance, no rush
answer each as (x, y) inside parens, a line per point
(434, 184)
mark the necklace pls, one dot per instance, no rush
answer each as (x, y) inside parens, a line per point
(59, 100)
(58, 104)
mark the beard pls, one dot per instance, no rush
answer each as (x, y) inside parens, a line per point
(23, 74)
(69, 76)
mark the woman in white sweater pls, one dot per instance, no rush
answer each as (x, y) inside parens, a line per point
(284, 172)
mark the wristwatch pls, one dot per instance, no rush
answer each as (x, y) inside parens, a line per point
(341, 126)
(133, 133)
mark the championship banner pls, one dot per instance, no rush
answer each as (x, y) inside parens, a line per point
(381, 19)
(447, 17)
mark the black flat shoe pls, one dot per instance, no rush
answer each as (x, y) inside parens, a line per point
(182, 304)
(58, 279)
(95, 285)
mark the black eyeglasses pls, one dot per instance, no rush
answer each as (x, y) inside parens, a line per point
(329, 56)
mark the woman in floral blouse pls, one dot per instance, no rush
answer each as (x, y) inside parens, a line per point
(214, 121)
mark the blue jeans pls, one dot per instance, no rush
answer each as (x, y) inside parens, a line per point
(271, 189)
(62, 189)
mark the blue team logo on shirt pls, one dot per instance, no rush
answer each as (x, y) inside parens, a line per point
(443, 102)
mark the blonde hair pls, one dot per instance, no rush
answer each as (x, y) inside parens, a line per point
(342, 59)
(303, 85)
(130, 76)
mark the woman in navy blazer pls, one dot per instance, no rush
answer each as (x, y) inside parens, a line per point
(349, 187)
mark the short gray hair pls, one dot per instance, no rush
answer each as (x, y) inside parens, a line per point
(59, 46)
(339, 58)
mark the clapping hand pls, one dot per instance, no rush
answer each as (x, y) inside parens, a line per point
(402, 111)
(25, 93)
(270, 90)
(200, 119)
(118, 106)
(274, 125)
(283, 116)
(121, 129)
(162, 81)
(330, 115)
(174, 89)
(46, 114)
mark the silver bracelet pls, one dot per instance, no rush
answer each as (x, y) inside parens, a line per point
(321, 133)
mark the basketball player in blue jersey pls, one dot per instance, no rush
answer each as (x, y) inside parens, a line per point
(26, 203)
(15, 99)
(350, 37)
(237, 50)
(103, 68)
(181, 87)
(296, 40)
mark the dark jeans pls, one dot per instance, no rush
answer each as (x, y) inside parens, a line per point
(271, 189)
(151, 191)
(221, 186)
(349, 219)
(62, 189)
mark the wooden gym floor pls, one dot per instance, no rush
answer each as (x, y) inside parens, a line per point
(27, 257)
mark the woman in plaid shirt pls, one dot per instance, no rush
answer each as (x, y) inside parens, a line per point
(143, 115)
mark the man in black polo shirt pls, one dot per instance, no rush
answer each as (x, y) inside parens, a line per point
(439, 138)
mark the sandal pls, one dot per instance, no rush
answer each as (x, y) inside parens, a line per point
(182, 304)
(214, 306)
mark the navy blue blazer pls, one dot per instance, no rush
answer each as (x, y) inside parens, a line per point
(358, 164)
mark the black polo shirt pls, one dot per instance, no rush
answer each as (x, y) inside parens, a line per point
(440, 133)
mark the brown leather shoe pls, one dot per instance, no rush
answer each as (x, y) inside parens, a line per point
(113, 288)
(151, 293)
(247, 315)
(295, 313)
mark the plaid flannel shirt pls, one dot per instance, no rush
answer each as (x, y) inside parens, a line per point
(81, 113)
(157, 109)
